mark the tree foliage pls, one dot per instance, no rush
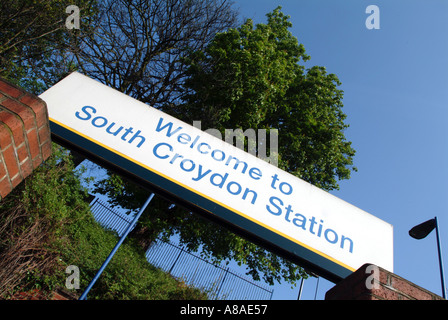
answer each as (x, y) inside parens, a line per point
(34, 41)
(138, 46)
(250, 77)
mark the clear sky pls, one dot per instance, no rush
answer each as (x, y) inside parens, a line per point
(395, 84)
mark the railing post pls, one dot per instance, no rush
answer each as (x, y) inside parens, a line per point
(220, 287)
(175, 261)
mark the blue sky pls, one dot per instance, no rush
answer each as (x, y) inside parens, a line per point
(395, 86)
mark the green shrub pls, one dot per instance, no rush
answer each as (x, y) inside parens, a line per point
(47, 221)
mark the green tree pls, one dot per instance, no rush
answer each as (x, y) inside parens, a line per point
(251, 77)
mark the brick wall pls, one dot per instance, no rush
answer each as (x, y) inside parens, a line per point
(24, 135)
(374, 283)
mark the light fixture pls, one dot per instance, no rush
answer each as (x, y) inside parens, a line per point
(421, 231)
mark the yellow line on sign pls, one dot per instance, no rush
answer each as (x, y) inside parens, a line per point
(202, 195)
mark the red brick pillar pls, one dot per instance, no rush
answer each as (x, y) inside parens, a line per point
(24, 135)
(374, 283)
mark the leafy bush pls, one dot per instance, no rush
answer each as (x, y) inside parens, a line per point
(46, 225)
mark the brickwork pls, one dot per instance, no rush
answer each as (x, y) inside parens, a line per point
(374, 283)
(24, 135)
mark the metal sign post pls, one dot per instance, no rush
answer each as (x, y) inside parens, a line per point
(112, 253)
(439, 250)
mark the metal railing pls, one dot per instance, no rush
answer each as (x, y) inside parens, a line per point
(219, 282)
(109, 218)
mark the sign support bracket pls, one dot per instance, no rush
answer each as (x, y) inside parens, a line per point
(114, 250)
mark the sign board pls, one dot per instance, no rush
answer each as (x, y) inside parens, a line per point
(254, 198)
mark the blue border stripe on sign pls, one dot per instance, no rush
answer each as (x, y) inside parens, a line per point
(329, 267)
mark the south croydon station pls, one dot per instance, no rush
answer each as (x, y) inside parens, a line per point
(217, 180)
(166, 151)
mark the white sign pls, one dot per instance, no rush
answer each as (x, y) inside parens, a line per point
(279, 209)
